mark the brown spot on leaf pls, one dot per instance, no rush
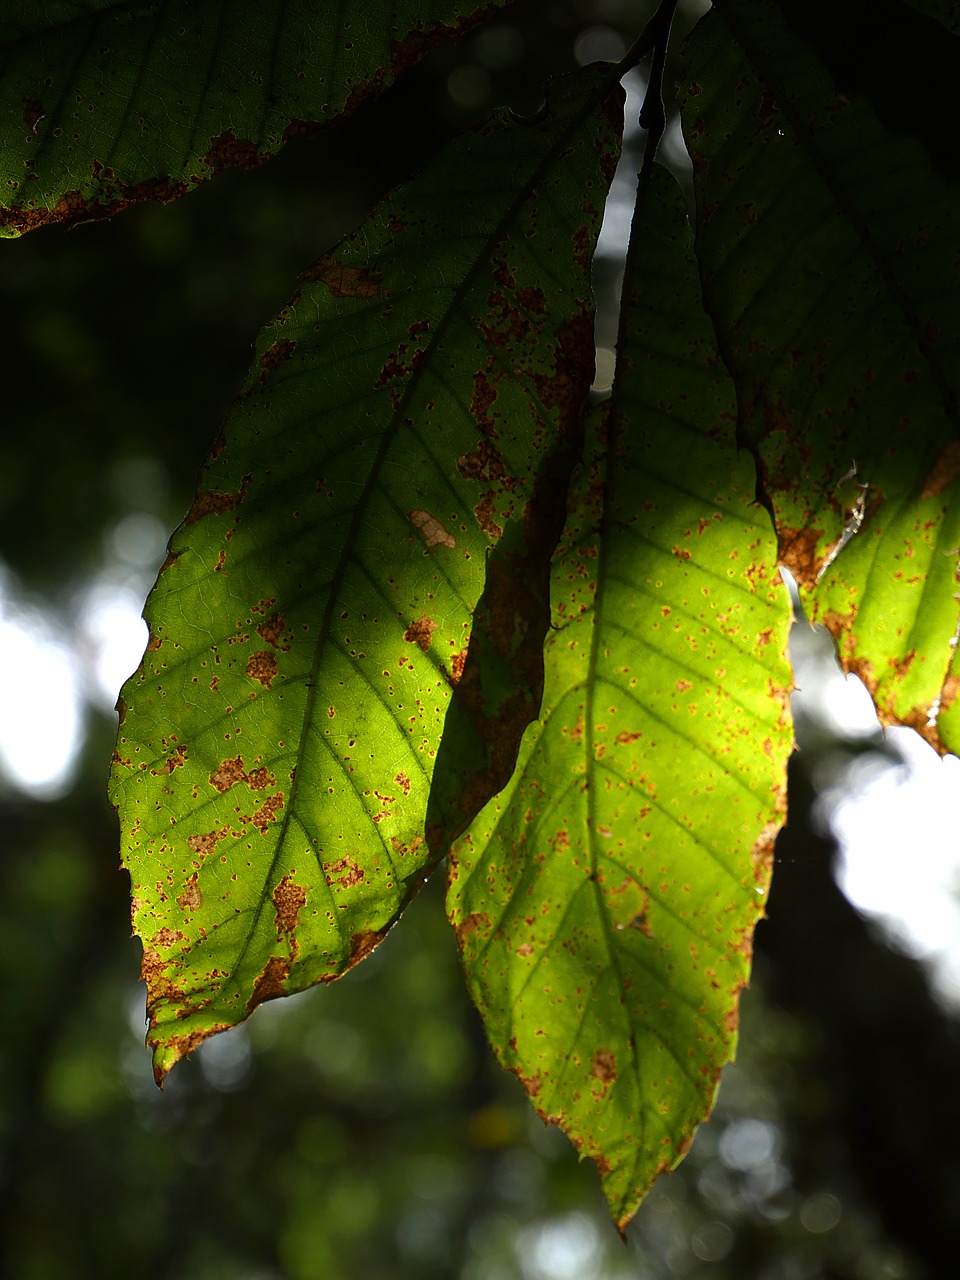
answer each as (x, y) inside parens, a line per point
(532, 1084)
(269, 984)
(344, 872)
(191, 898)
(343, 281)
(484, 511)
(167, 938)
(625, 738)
(761, 852)
(398, 846)
(798, 553)
(951, 688)
(476, 921)
(403, 782)
(484, 395)
(228, 773)
(361, 944)
(267, 813)
(262, 666)
(289, 899)
(431, 530)
(227, 151)
(154, 972)
(604, 1065)
(175, 761)
(275, 356)
(75, 207)
(272, 631)
(204, 845)
(485, 465)
(399, 364)
(215, 504)
(419, 632)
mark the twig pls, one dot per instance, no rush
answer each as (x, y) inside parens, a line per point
(655, 37)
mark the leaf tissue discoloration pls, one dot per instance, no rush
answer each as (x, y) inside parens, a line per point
(274, 632)
(270, 983)
(431, 530)
(262, 667)
(345, 873)
(420, 632)
(228, 773)
(604, 1066)
(341, 501)
(281, 351)
(343, 280)
(216, 504)
(83, 138)
(289, 899)
(570, 856)
(205, 844)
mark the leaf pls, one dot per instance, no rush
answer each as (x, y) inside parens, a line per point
(416, 404)
(827, 245)
(605, 900)
(104, 106)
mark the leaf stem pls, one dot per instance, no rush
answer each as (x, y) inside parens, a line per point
(653, 34)
(653, 116)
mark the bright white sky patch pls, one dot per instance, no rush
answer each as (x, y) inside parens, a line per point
(896, 824)
(50, 665)
(39, 698)
(111, 634)
(897, 828)
(618, 211)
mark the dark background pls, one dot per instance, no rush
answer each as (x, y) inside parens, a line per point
(363, 1130)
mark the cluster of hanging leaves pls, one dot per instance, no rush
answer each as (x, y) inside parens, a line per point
(429, 603)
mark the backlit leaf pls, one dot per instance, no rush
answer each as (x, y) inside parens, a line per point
(605, 900)
(104, 105)
(827, 198)
(414, 409)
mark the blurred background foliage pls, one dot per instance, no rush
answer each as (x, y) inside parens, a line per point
(363, 1130)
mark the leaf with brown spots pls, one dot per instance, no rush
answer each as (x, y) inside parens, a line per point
(835, 304)
(603, 898)
(150, 103)
(313, 619)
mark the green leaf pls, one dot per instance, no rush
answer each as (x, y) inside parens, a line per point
(103, 106)
(605, 900)
(827, 244)
(416, 404)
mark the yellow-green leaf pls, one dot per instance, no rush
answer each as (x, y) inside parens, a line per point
(414, 409)
(605, 900)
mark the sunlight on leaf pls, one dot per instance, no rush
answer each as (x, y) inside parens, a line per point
(605, 900)
(414, 411)
(827, 247)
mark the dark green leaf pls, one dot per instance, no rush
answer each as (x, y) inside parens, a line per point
(104, 105)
